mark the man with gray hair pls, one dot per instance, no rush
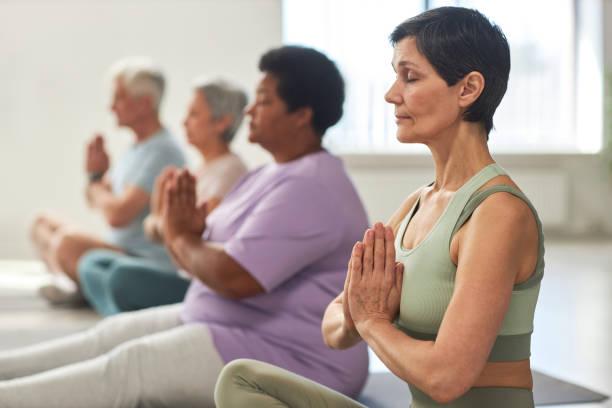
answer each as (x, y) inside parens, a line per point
(121, 194)
(113, 282)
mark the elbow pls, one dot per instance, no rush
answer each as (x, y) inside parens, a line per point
(328, 341)
(444, 384)
(238, 290)
(115, 220)
(234, 281)
(231, 294)
(118, 215)
(444, 392)
(331, 338)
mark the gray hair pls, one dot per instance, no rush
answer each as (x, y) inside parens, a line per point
(141, 77)
(224, 98)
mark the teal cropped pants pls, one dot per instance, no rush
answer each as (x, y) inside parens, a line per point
(113, 283)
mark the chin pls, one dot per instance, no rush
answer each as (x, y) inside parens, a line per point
(407, 137)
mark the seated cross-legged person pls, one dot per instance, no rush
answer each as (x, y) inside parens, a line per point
(265, 263)
(113, 282)
(121, 193)
(445, 294)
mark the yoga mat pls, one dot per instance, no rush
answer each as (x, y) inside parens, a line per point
(384, 390)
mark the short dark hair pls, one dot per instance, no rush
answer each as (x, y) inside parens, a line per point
(307, 78)
(457, 41)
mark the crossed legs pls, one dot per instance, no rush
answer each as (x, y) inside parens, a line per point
(60, 246)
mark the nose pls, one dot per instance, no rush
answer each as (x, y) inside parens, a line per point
(393, 95)
(250, 109)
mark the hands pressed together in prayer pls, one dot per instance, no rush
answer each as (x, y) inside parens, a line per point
(372, 290)
(97, 163)
(97, 160)
(176, 203)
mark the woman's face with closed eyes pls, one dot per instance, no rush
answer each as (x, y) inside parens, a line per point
(425, 106)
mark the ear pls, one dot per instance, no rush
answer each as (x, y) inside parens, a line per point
(223, 123)
(303, 116)
(471, 88)
(145, 103)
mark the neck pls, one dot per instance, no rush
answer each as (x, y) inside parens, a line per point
(303, 143)
(459, 154)
(146, 128)
(214, 151)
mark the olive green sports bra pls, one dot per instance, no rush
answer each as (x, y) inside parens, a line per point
(429, 273)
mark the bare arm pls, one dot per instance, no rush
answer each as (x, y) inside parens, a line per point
(487, 269)
(338, 328)
(117, 210)
(183, 226)
(152, 225)
(209, 263)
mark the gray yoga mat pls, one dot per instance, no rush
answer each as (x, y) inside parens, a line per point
(384, 390)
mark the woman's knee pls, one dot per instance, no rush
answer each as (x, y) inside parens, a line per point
(63, 245)
(95, 264)
(122, 287)
(240, 374)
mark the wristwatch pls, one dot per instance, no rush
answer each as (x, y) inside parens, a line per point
(95, 176)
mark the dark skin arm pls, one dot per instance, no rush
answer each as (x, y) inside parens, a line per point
(183, 224)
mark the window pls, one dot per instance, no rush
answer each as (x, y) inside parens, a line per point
(554, 102)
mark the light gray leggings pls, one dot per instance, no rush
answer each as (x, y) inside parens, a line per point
(138, 359)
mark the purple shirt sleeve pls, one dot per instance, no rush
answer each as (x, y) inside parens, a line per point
(290, 228)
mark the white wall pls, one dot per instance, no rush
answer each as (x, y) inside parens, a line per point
(54, 57)
(55, 54)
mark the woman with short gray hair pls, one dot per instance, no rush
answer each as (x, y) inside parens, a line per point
(114, 283)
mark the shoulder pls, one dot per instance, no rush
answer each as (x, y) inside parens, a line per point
(164, 147)
(232, 163)
(504, 213)
(320, 170)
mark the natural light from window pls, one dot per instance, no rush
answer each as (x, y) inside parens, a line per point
(540, 113)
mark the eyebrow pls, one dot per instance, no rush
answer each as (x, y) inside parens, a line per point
(405, 63)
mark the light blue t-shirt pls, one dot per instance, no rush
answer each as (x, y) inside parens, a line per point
(139, 167)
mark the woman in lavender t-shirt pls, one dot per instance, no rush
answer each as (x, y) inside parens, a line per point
(265, 264)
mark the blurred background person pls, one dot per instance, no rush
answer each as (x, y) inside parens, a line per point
(122, 193)
(113, 282)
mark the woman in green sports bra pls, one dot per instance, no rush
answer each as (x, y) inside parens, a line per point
(445, 293)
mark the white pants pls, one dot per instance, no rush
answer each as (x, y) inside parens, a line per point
(140, 359)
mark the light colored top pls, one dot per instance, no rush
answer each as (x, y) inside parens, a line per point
(429, 273)
(217, 177)
(292, 227)
(139, 167)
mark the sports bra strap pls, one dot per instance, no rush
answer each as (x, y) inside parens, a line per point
(479, 197)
